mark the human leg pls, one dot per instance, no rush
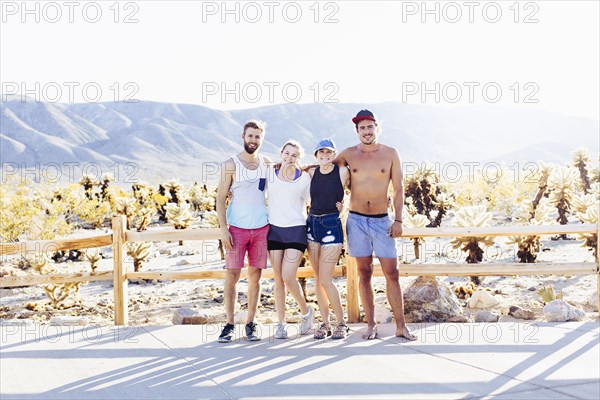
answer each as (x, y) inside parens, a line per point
(314, 250)
(279, 286)
(289, 268)
(232, 277)
(365, 273)
(254, 275)
(327, 262)
(394, 295)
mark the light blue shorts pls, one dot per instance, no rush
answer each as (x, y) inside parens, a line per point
(368, 235)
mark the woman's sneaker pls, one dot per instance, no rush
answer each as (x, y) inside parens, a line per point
(280, 332)
(251, 334)
(306, 322)
(227, 333)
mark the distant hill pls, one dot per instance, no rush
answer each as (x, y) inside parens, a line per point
(166, 140)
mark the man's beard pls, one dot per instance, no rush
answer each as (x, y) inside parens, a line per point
(250, 150)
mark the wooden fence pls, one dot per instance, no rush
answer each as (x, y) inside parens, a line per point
(120, 275)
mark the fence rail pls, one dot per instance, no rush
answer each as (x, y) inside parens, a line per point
(120, 276)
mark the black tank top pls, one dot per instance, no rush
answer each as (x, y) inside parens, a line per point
(325, 191)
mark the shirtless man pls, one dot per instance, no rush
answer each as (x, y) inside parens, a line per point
(369, 227)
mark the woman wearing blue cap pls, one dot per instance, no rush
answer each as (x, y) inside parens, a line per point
(325, 235)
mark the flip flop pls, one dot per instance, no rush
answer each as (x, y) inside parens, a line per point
(371, 333)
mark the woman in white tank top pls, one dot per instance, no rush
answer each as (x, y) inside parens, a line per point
(288, 196)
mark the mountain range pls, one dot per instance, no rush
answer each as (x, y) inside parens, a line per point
(155, 141)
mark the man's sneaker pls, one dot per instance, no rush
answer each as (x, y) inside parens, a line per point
(251, 332)
(306, 322)
(227, 333)
(280, 332)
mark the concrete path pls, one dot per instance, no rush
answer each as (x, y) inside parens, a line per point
(459, 361)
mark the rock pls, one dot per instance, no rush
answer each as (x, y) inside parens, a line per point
(382, 314)
(461, 319)
(240, 317)
(7, 293)
(532, 289)
(68, 320)
(593, 300)
(182, 262)
(164, 251)
(482, 299)
(188, 316)
(520, 313)
(429, 300)
(486, 316)
(17, 322)
(561, 311)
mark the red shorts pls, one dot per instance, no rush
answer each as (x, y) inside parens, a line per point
(254, 241)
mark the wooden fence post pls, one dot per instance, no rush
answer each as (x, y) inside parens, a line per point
(119, 224)
(598, 258)
(352, 289)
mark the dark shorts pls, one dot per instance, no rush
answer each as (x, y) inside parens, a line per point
(325, 229)
(292, 237)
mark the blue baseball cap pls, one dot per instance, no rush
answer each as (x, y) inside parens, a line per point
(325, 144)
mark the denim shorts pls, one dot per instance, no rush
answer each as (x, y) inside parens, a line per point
(324, 229)
(368, 235)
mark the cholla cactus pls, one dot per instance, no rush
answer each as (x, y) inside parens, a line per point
(201, 199)
(210, 219)
(88, 182)
(562, 183)
(93, 256)
(179, 215)
(104, 181)
(580, 160)
(529, 246)
(174, 190)
(126, 206)
(413, 220)
(595, 175)
(545, 171)
(471, 217)
(581, 203)
(423, 187)
(144, 218)
(590, 216)
(57, 293)
(139, 251)
(442, 203)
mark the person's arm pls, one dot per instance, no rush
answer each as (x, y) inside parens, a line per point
(340, 159)
(398, 198)
(225, 181)
(344, 175)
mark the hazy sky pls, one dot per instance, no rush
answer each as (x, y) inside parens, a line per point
(231, 55)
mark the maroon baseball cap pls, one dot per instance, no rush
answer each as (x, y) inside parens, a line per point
(363, 114)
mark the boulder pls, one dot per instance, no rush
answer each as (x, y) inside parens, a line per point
(460, 319)
(240, 317)
(561, 311)
(520, 313)
(486, 316)
(382, 314)
(429, 300)
(188, 316)
(482, 299)
(593, 300)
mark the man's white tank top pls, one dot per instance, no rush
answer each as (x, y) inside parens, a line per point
(247, 208)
